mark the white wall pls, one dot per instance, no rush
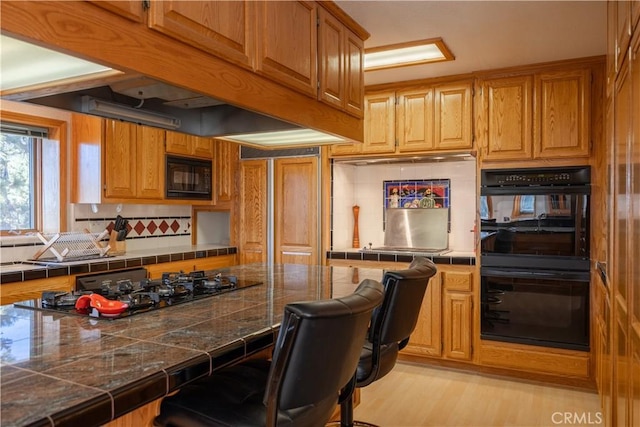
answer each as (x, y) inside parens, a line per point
(363, 186)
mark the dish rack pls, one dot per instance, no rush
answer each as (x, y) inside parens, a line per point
(73, 246)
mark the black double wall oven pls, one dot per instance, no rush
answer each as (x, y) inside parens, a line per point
(535, 256)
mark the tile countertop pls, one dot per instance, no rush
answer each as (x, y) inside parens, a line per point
(355, 254)
(28, 270)
(69, 370)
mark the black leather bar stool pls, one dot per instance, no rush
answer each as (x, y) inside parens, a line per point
(391, 325)
(315, 355)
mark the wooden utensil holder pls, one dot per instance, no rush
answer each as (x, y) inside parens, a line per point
(117, 247)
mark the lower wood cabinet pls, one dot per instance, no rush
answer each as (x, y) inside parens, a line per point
(155, 271)
(446, 324)
(31, 289)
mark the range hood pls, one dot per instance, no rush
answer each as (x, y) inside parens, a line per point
(140, 99)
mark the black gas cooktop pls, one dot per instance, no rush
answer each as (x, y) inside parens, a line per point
(117, 295)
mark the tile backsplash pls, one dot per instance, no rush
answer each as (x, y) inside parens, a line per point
(363, 185)
(150, 226)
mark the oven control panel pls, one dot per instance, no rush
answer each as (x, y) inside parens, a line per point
(536, 176)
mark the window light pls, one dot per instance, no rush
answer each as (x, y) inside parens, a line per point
(405, 54)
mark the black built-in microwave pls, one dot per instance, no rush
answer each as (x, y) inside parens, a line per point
(188, 178)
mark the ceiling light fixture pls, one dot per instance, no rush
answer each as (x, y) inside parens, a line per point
(405, 54)
(285, 138)
(102, 108)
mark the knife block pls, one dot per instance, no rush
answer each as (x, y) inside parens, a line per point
(117, 247)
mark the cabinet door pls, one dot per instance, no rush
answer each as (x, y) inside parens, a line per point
(561, 114)
(202, 147)
(346, 149)
(354, 74)
(120, 162)
(331, 59)
(150, 168)
(453, 116)
(415, 120)
(296, 211)
(426, 339)
(130, 9)
(286, 37)
(253, 211)
(222, 28)
(507, 115)
(178, 143)
(457, 325)
(226, 163)
(380, 123)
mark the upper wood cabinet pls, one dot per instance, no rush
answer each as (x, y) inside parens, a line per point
(506, 115)
(417, 119)
(222, 28)
(562, 106)
(286, 43)
(189, 145)
(544, 115)
(340, 63)
(106, 161)
(130, 9)
(224, 171)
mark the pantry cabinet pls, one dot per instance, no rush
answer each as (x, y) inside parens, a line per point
(542, 115)
(224, 170)
(106, 161)
(188, 145)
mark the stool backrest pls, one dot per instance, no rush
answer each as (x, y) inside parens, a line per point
(318, 348)
(396, 318)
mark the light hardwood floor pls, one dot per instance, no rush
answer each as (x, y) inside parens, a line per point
(413, 395)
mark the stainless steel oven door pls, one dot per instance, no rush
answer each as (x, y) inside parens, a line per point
(536, 307)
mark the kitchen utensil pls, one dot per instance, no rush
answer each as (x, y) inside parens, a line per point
(104, 306)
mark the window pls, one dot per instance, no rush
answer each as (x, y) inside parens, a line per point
(32, 173)
(20, 166)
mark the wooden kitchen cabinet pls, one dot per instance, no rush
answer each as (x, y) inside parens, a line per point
(561, 120)
(253, 211)
(224, 170)
(341, 60)
(379, 123)
(130, 9)
(210, 263)
(542, 115)
(30, 289)
(421, 119)
(222, 28)
(106, 161)
(507, 116)
(445, 326)
(189, 145)
(125, 175)
(286, 43)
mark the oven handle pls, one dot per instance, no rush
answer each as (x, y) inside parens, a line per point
(580, 276)
(535, 190)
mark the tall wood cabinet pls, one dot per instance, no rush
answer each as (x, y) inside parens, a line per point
(253, 202)
(618, 355)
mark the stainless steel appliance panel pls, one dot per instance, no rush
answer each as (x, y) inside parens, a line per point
(417, 228)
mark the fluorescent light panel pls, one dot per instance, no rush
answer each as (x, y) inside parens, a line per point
(102, 108)
(24, 64)
(286, 137)
(405, 54)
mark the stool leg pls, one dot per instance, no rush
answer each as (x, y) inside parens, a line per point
(346, 404)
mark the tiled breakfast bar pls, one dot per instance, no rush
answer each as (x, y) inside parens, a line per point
(70, 370)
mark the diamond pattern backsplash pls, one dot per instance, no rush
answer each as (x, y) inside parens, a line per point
(144, 227)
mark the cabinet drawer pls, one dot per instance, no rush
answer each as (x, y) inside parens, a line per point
(458, 280)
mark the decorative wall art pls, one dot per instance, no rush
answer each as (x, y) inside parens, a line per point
(416, 194)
